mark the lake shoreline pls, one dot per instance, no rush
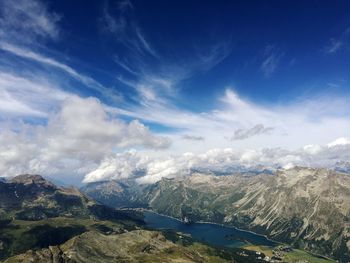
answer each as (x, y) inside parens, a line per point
(209, 223)
(231, 227)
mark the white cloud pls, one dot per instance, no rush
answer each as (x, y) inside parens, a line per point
(84, 128)
(122, 165)
(312, 149)
(339, 142)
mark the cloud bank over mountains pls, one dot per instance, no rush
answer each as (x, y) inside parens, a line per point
(138, 165)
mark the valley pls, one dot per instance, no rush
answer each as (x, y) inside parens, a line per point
(306, 208)
(41, 222)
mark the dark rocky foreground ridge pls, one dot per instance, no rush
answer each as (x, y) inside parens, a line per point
(41, 222)
(308, 208)
(132, 246)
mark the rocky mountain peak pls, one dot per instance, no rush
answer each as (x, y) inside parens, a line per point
(30, 179)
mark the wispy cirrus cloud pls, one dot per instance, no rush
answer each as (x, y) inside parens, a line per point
(25, 28)
(271, 60)
(338, 43)
(117, 19)
(42, 59)
(29, 95)
(151, 73)
(27, 21)
(334, 46)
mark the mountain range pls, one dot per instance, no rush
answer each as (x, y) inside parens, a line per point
(307, 208)
(41, 222)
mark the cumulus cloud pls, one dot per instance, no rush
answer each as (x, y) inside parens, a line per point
(122, 165)
(78, 137)
(258, 129)
(84, 128)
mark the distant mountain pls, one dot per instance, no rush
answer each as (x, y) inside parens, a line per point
(128, 193)
(237, 169)
(118, 194)
(309, 208)
(342, 167)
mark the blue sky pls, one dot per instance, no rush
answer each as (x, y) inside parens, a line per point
(166, 78)
(268, 50)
